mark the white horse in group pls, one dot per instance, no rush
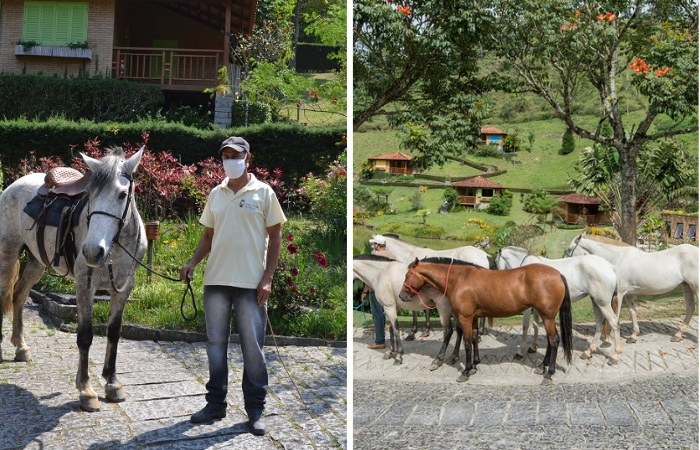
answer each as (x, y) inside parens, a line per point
(642, 273)
(406, 252)
(386, 276)
(586, 275)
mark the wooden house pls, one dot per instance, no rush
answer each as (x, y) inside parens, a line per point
(178, 45)
(583, 209)
(492, 136)
(680, 228)
(476, 191)
(393, 163)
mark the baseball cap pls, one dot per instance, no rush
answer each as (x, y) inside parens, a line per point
(237, 143)
(379, 240)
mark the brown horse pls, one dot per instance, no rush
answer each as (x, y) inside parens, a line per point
(477, 292)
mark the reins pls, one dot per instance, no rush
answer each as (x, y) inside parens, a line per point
(415, 292)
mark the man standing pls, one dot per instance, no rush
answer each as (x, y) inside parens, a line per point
(242, 234)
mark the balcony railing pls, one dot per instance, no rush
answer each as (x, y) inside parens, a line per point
(171, 68)
(400, 170)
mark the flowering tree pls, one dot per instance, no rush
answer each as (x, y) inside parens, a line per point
(646, 48)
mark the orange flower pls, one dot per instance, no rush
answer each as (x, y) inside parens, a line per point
(639, 66)
(661, 72)
(608, 16)
(405, 10)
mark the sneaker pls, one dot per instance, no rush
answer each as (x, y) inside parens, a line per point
(256, 422)
(209, 413)
(376, 346)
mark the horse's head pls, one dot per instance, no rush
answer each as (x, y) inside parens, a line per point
(110, 196)
(412, 283)
(575, 247)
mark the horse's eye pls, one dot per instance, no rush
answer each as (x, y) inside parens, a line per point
(122, 195)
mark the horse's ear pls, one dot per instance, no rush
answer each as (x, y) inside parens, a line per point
(133, 162)
(92, 163)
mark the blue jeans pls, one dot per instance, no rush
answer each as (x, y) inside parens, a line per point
(251, 320)
(377, 317)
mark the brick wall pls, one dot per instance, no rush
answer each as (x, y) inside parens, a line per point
(100, 37)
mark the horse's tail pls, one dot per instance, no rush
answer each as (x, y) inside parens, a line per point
(565, 322)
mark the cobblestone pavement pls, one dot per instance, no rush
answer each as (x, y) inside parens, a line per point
(647, 401)
(164, 384)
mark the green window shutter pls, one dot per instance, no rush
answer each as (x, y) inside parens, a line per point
(55, 23)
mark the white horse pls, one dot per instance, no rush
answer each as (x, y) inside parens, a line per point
(108, 225)
(586, 275)
(386, 276)
(642, 273)
(407, 253)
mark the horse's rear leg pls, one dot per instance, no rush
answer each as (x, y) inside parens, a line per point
(414, 328)
(689, 297)
(593, 344)
(426, 331)
(7, 287)
(612, 320)
(549, 363)
(633, 314)
(30, 275)
(447, 331)
(458, 342)
(114, 390)
(468, 344)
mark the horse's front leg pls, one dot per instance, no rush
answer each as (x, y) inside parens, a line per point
(593, 345)
(689, 297)
(458, 342)
(84, 296)
(468, 337)
(114, 390)
(633, 314)
(475, 342)
(447, 331)
(520, 353)
(414, 328)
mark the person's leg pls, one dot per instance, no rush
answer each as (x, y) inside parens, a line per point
(217, 314)
(251, 320)
(378, 318)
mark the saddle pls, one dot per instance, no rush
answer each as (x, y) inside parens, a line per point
(58, 203)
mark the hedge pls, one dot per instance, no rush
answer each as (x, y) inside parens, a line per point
(295, 149)
(92, 98)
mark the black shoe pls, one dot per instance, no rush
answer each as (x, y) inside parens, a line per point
(256, 422)
(209, 413)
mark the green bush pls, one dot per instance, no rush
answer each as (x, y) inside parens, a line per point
(568, 144)
(295, 149)
(98, 98)
(250, 113)
(430, 231)
(501, 205)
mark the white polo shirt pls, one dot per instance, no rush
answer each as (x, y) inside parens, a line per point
(240, 221)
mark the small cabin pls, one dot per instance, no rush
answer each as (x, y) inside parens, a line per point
(582, 209)
(397, 163)
(680, 228)
(476, 191)
(492, 136)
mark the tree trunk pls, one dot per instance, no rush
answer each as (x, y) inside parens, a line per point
(628, 195)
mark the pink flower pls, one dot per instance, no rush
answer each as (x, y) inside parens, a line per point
(290, 238)
(292, 248)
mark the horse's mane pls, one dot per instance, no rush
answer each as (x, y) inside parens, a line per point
(369, 257)
(444, 260)
(106, 171)
(605, 240)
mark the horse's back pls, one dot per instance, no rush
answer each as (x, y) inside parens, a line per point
(12, 202)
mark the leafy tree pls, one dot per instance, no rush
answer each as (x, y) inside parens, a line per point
(568, 144)
(450, 196)
(664, 173)
(512, 143)
(501, 205)
(540, 203)
(415, 62)
(646, 48)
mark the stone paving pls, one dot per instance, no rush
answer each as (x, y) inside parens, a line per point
(164, 383)
(647, 401)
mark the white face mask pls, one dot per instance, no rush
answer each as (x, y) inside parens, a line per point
(234, 168)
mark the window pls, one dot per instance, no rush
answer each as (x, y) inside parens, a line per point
(692, 231)
(679, 231)
(55, 23)
(487, 192)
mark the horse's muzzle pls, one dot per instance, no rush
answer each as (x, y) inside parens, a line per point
(95, 255)
(405, 296)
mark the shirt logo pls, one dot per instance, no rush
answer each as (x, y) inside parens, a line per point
(249, 206)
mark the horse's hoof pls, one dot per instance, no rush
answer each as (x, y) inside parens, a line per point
(472, 371)
(613, 361)
(23, 354)
(398, 362)
(631, 340)
(410, 337)
(89, 403)
(462, 378)
(435, 365)
(388, 355)
(586, 355)
(532, 350)
(517, 356)
(676, 339)
(115, 392)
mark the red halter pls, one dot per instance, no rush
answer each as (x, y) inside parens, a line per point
(417, 293)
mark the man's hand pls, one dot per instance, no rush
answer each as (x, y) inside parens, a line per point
(264, 290)
(186, 272)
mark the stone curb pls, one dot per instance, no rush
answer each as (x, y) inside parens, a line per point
(64, 316)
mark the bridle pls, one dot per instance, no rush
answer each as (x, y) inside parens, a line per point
(570, 253)
(414, 292)
(115, 240)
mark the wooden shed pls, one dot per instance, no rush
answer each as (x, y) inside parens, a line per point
(492, 136)
(583, 209)
(394, 163)
(680, 227)
(476, 191)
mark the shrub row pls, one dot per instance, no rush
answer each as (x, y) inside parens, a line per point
(295, 149)
(93, 98)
